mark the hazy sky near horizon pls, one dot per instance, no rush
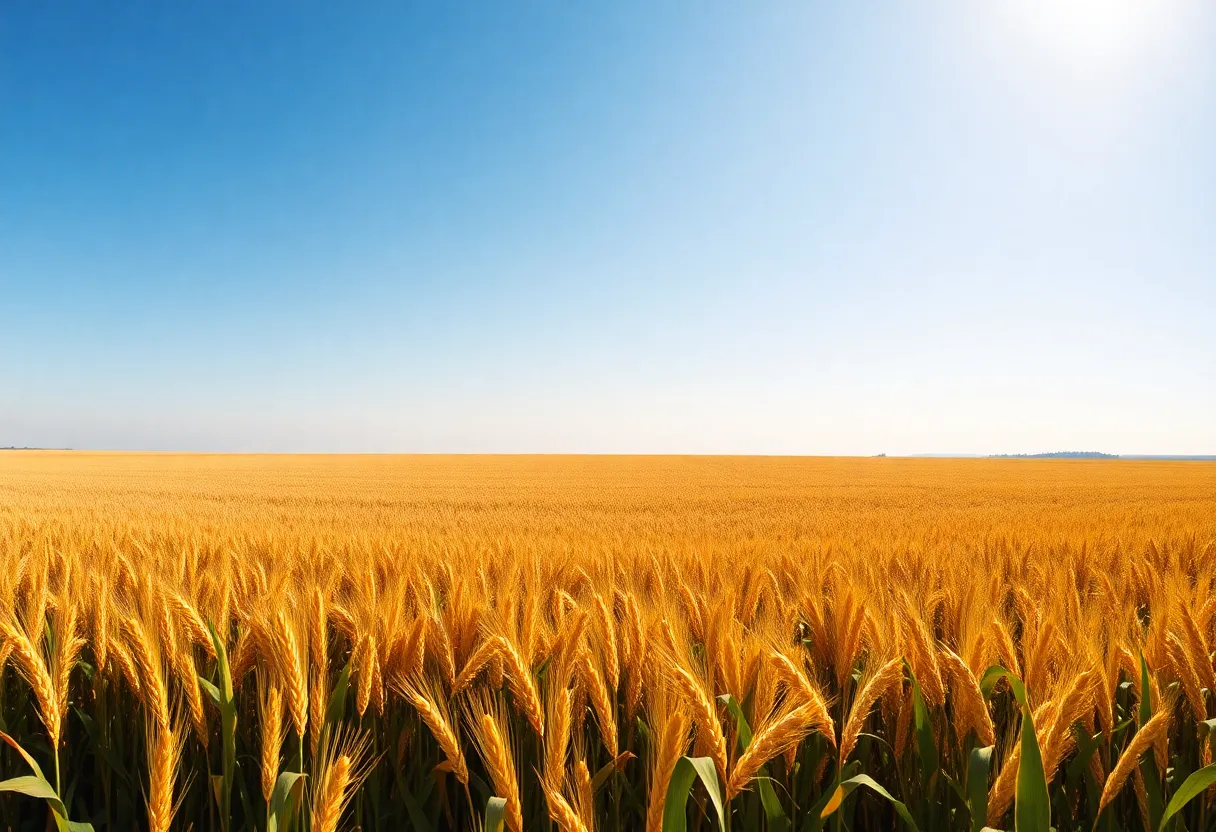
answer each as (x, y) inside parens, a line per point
(619, 226)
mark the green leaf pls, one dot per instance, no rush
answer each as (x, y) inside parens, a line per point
(1148, 766)
(977, 786)
(687, 770)
(777, 820)
(1192, 788)
(1146, 691)
(35, 787)
(337, 698)
(212, 691)
(221, 660)
(644, 730)
(745, 730)
(1032, 803)
(222, 694)
(284, 800)
(24, 755)
(847, 786)
(994, 674)
(991, 676)
(601, 776)
(246, 802)
(1087, 745)
(924, 728)
(418, 818)
(1207, 728)
(813, 821)
(101, 749)
(496, 814)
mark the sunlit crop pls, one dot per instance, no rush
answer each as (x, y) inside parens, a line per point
(323, 643)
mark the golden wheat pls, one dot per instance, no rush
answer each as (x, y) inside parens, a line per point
(574, 612)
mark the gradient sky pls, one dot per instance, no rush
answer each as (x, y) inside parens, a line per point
(779, 227)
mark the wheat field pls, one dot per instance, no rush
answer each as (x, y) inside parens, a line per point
(615, 643)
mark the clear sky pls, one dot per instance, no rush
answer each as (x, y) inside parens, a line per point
(778, 227)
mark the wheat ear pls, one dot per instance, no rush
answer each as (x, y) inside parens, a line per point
(560, 810)
(271, 717)
(673, 740)
(332, 795)
(801, 685)
(889, 675)
(489, 729)
(704, 715)
(1153, 730)
(164, 756)
(32, 667)
(427, 705)
(523, 688)
(970, 711)
(774, 738)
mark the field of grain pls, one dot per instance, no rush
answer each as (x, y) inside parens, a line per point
(381, 643)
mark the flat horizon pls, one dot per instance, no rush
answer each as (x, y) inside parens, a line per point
(1079, 456)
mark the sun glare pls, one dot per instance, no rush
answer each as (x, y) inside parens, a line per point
(1095, 35)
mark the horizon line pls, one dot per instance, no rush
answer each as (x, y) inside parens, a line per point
(1080, 456)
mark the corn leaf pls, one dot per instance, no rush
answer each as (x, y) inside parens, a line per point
(1192, 788)
(1207, 728)
(686, 773)
(615, 764)
(496, 813)
(32, 786)
(1032, 804)
(925, 743)
(977, 785)
(285, 800)
(815, 817)
(777, 820)
(847, 786)
(37, 786)
(1148, 767)
(337, 698)
(222, 694)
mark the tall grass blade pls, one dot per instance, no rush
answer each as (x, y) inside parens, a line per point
(687, 771)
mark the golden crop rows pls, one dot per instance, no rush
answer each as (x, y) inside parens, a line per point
(295, 642)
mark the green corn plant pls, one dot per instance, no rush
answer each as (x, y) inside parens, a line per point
(688, 770)
(222, 695)
(36, 785)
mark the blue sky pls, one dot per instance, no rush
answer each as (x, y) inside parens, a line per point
(784, 227)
